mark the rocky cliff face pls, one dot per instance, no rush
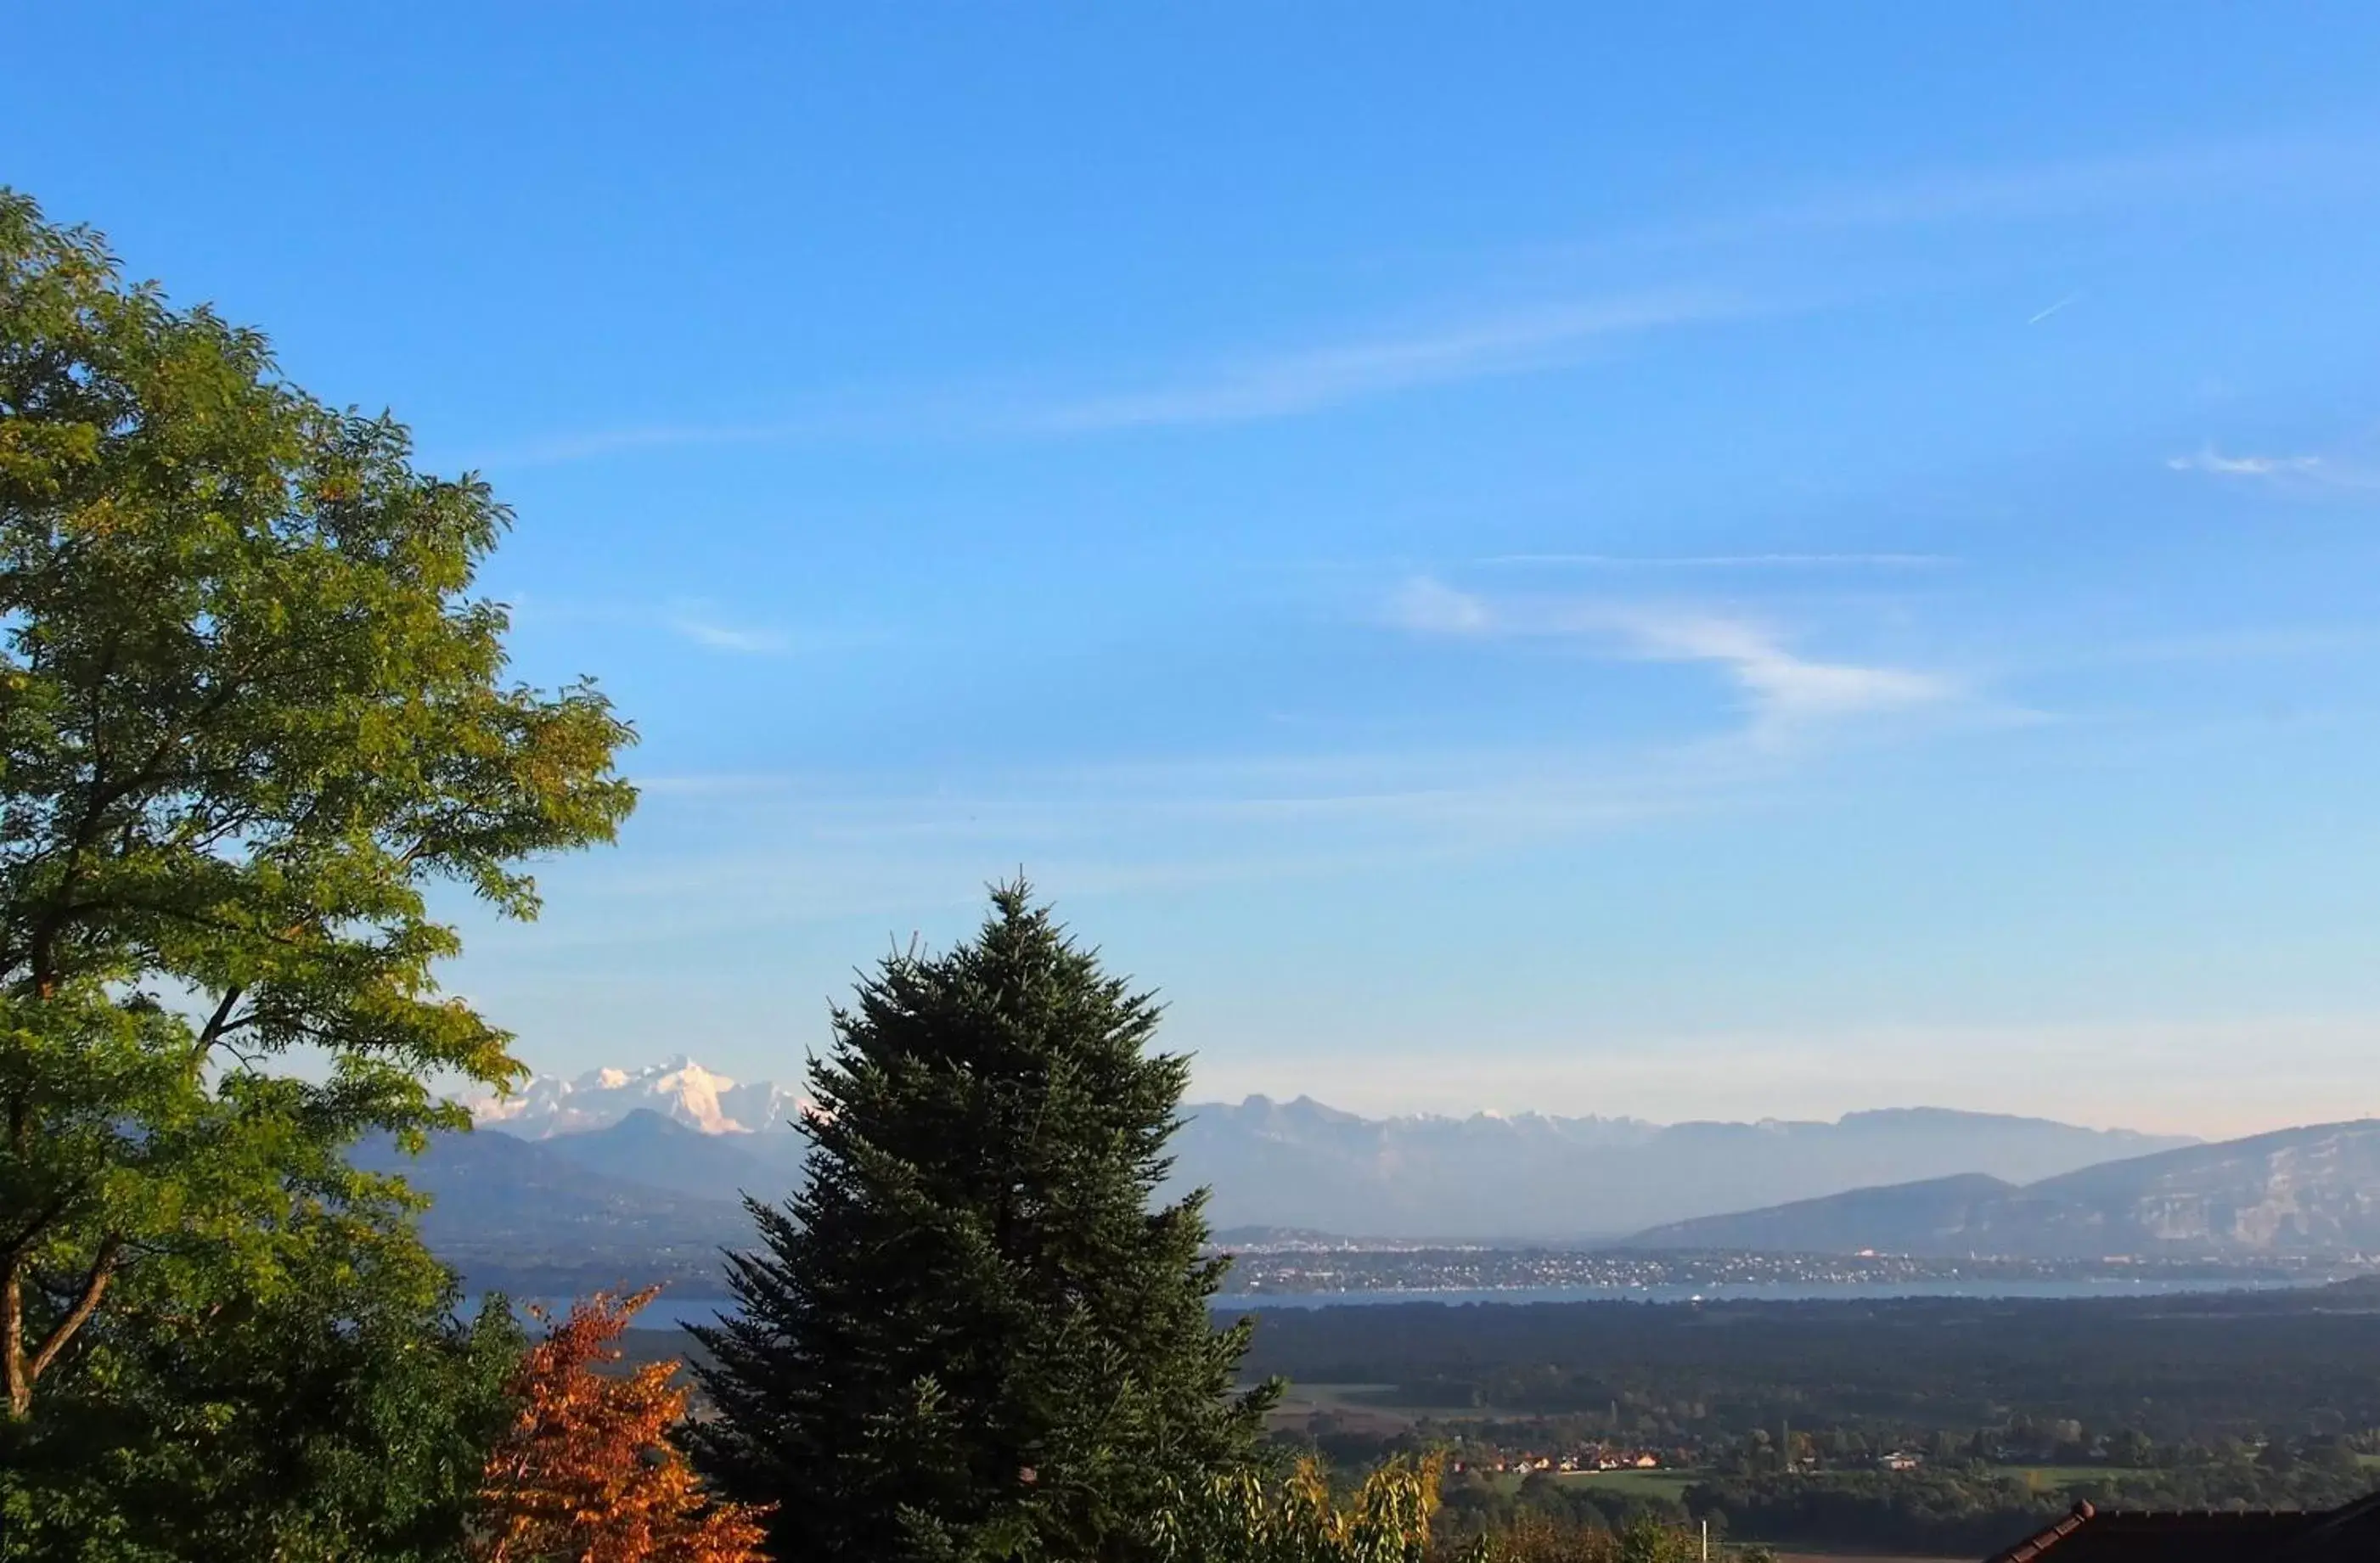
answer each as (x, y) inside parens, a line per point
(2317, 1187)
(2298, 1190)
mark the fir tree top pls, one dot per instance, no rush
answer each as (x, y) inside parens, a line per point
(975, 1330)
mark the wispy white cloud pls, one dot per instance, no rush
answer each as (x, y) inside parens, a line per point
(1783, 690)
(1429, 606)
(1253, 387)
(2257, 168)
(2213, 462)
(2054, 308)
(694, 622)
(696, 619)
(1726, 561)
(1474, 346)
(1313, 379)
(795, 847)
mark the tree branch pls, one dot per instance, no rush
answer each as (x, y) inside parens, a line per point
(218, 1024)
(94, 1287)
(21, 1243)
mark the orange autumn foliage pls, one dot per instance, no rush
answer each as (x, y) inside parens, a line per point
(588, 1473)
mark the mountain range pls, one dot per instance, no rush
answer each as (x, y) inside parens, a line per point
(1534, 1177)
(679, 1128)
(2315, 1189)
(534, 1219)
(620, 1175)
(681, 1090)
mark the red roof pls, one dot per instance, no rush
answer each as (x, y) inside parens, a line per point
(2092, 1536)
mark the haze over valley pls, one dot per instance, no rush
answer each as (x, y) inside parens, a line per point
(619, 1164)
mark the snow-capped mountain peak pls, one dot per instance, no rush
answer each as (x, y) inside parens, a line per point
(680, 1089)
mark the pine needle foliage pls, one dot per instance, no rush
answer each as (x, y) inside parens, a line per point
(974, 1331)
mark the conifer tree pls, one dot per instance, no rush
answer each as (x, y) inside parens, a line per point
(972, 1332)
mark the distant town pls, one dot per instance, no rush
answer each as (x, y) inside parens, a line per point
(1292, 1266)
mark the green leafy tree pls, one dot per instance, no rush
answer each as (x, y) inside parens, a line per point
(1244, 1515)
(346, 1418)
(972, 1332)
(250, 717)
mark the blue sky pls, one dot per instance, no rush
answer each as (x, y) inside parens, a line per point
(1743, 562)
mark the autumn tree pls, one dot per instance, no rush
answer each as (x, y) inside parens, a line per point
(587, 1473)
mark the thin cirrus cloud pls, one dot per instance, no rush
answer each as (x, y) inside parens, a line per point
(2215, 464)
(1311, 380)
(1302, 382)
(691, 622)
(1783, 690)
(1253, 388)
(1725, 561)
(2276, 167)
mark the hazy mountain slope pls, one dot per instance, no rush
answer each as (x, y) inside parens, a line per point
(660, 1153)
(497, 1190)
(2298, 1188)
(1301, 1164)
(1900, 1218)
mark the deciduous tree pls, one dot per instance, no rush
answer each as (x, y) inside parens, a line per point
(1248, 1516)
(342, 1418)
(250, 714)
(587, 1472)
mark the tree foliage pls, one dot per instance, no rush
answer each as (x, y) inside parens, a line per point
(587, 1471)
(1535, 1536)
(249, 715)
(970, 1331)
(1246, 1516)
(344, 1417)
(1874, 1374)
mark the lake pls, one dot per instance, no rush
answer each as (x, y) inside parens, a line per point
(666, 1311)
(1775, 1291)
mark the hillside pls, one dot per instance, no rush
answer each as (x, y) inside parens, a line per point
(649, 1149)
(2291, 1191)
(1305, 1166)
(516, 1216)
(1300, 1164)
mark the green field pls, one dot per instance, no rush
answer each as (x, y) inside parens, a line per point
(1670, 1484)
(1350, 1404)
(2067, 1475)
(1375, 1400)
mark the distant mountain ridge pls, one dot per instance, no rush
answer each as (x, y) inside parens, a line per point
(659, 1152)
(494, 1191)
(1534, 1177)
(1304, 1165)
(2311, 1189)
(648, 1172)
(681, 1090)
